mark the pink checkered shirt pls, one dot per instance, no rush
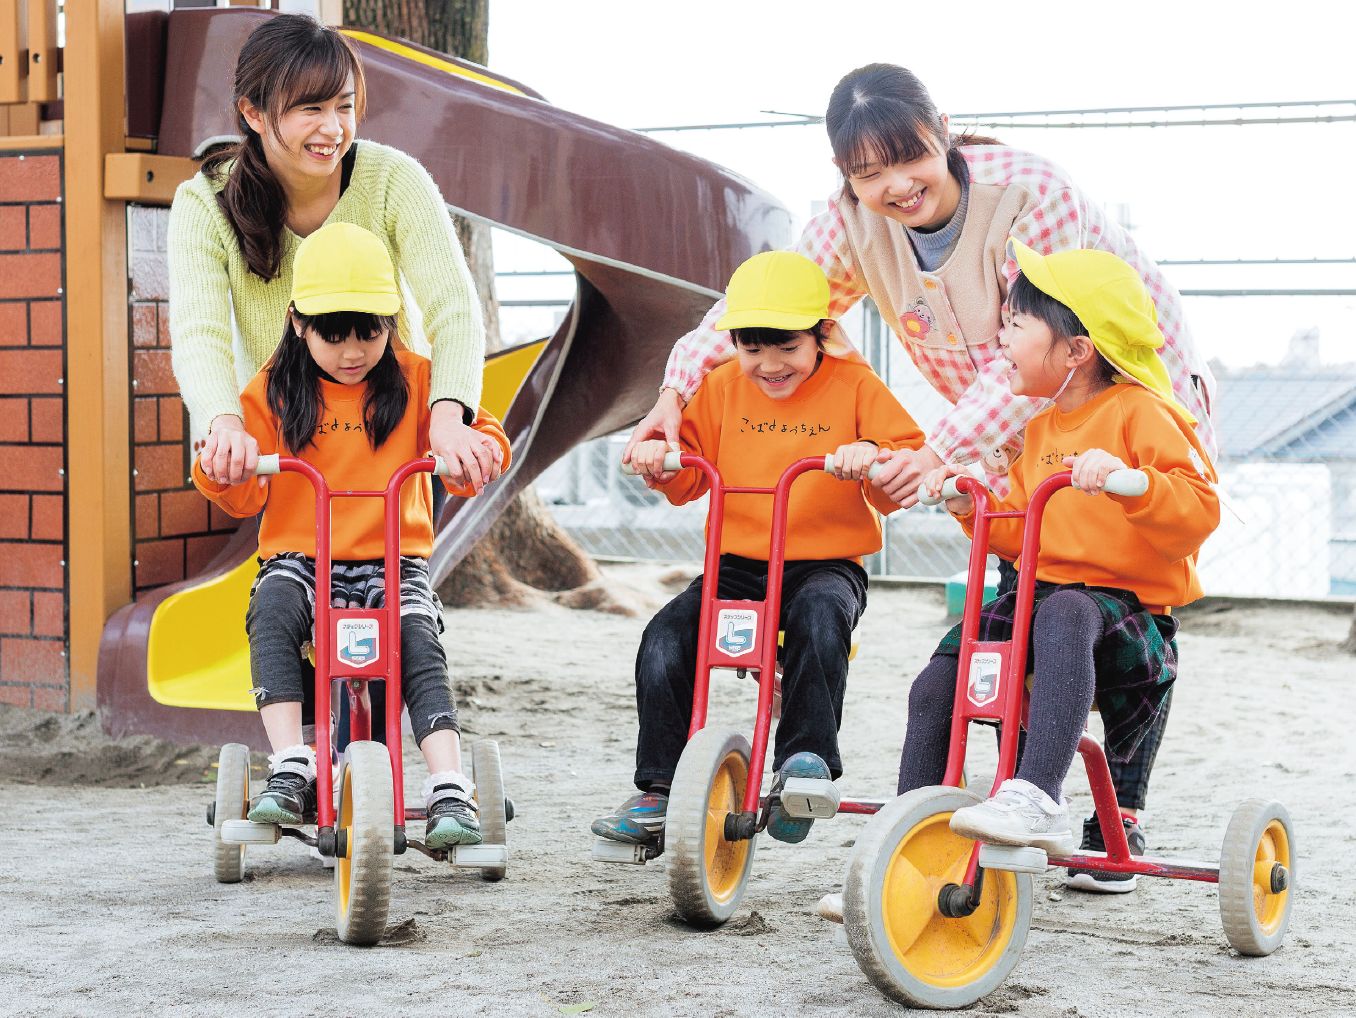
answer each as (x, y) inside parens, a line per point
(986, 415)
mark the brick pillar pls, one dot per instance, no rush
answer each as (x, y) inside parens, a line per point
(34, 630)
(177, 530)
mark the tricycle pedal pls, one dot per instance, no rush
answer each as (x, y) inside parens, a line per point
(247, 832)
(810, 798)
(476, 856)
(1013, 858)
(617, 851)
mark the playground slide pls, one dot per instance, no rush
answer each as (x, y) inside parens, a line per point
(652, 234)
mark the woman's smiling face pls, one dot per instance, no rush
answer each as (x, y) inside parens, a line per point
(921, 194)
(309, 139)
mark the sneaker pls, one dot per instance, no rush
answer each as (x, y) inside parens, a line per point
(452, 815)
(637, 821)
(1020, 814)
(782, 826)
(1106, 883)
(289, 797)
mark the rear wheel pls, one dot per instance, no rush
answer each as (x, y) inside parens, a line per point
(707, 873)
(232, 803)
(1257, 877)
(488, 774)
(901, 940)
(365, 830)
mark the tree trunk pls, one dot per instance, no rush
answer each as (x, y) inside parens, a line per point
(525, 552)
(1349, 644)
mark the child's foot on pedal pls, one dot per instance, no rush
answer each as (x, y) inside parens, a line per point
(1020, 814)
(782, 826)
(452, 815)
(637, 821)
(289, 797)
(1106, 883)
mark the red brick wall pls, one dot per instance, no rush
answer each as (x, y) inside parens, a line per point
(177, 530)
(33, 592)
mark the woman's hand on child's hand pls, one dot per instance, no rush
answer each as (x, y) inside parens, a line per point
(902, 472)
(470, 456)
(1091, 469)
(230, 454)
(647, 458)
(662, 422)
(961, 505)
(852, 461)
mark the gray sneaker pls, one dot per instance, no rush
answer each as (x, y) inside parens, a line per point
(1020, 814)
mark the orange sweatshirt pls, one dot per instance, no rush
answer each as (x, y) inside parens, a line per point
(752, 439)
(1148, 543)
(343, 456)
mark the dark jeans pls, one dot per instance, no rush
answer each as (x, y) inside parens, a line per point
(1130, 777)
(279, 623)
(821, 603)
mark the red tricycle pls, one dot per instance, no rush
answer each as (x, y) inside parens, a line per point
(715, 810)
(366, 827)
(936, 920)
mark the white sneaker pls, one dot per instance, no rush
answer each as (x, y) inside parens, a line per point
(1020, 814)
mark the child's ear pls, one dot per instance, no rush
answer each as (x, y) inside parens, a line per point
(1081, 351)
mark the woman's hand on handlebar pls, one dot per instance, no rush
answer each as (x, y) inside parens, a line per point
(647, 459)
(230, 453)
(662, 422)
(902, 471)
(1090, 469)
(962, 505)
(852, 461)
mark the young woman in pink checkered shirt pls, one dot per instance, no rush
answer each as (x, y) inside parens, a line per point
(921, 225)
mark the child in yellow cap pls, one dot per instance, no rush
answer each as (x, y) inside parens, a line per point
(1080, 330)
(783, 398)
(339, 394)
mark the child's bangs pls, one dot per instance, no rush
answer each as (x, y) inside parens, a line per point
(875, 133)
(337, 326)
(317, 74)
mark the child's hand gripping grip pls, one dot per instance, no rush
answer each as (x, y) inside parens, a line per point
(870, 474)
(1119, 482)
(672, 462)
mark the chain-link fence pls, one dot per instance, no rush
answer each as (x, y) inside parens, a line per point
(1287, 462)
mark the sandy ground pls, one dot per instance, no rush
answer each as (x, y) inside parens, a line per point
(108, 906)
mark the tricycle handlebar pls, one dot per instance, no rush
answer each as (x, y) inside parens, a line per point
(1127, 482)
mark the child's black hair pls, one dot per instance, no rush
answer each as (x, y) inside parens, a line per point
(294, 393)
(1025, 298)
(762, 335)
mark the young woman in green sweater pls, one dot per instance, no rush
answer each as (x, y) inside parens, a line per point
(235, 227)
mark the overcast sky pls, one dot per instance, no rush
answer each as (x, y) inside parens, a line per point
(1253, 191)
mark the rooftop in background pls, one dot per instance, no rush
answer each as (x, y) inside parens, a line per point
(1288, 413)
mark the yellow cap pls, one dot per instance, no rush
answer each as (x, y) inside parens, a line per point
(776, 290)
(342, 267)
(1109, 298)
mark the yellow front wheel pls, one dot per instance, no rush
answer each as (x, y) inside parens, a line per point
(365, 828)
(903, 943)
(707, 874)
(1257, 877)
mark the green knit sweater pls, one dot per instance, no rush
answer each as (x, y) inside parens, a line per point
(391, 195)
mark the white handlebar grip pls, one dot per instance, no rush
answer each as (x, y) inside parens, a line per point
(672, 461)
(870, 474)
(267, 465)
(440, 466)
(949, 490)
(1127, 482)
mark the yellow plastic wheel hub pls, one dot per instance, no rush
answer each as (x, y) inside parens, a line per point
(1270, 906)
(343, 831)
(937, 950)
(725, 859)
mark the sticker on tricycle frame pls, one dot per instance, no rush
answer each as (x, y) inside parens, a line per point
(985, 669)
(736, 631)
(357, 641)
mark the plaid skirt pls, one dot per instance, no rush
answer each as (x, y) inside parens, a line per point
(1136, 660)
(357, 584)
